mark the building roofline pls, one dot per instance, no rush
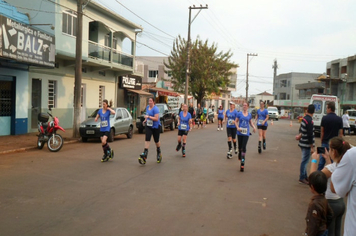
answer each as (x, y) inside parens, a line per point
(105, 10)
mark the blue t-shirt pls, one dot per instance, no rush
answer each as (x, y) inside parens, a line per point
(149, 122)
(262, 115)
(231, 117)
(205, 110)
(184, 121)
(104, 120)
(244, 124)
(220, 114)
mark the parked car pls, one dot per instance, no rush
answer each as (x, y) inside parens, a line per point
(273, 113)
(121, 123)
(166, 118)
(352, 115)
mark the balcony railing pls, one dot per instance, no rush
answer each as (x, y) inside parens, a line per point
(121, 58)
(103, 52)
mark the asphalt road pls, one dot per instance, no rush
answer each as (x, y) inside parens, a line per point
(72, 193)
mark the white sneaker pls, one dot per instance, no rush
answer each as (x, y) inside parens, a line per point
(218, 129)
(221, 129)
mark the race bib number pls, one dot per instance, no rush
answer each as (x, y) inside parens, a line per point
(243, 130)
(183, 126)
(260, 122)
(230, 122)
(149, 122)
(104, 123)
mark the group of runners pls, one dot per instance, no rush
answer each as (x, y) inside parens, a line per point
(237, 124)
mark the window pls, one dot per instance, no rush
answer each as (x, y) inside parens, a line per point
(282, 96)
(119, 114)
(52, 94)
(288, 83)
(288, 97)
(318, 105)
(283, 83)
(107, 41)
(101, 95)
(69, 23)
(125, 114)
(153, 73)
(275, 97)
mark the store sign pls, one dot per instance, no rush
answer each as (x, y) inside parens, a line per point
(22, 43)
(130, 83)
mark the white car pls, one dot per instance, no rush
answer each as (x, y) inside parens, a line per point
(273, 113)
(352, 115)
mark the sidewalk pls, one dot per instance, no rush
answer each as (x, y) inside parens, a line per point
(23, 142)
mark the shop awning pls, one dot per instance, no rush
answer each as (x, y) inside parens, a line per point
(141, 92)
(164, 92)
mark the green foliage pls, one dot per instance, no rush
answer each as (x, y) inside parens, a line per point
(209, 69)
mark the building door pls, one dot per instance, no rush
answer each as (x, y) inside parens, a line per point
(36, 98)
(7, 104)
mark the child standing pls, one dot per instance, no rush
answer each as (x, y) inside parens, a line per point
(319, 212)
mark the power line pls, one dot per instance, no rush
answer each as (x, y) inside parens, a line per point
(144, 19)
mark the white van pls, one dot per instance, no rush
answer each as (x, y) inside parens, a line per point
(352, 115)
(320, 102)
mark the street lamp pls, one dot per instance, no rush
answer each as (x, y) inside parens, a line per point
(188, 47)
(252, 55)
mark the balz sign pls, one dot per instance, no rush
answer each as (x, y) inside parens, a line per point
(24, 44)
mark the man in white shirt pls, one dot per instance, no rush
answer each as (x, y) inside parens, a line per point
(343, 183)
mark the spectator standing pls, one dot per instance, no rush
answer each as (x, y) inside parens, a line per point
(331, 126)
(306, 142)
(343, 182)
(338, 148)
(345, 121)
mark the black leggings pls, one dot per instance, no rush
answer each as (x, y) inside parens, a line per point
(338, 207)
(242, 142)
(151, 131)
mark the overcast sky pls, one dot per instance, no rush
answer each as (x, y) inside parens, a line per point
(302, 35)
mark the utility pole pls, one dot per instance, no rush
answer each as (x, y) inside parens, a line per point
(252, 55)
(188, 50)
(78, 70)
(274, 67)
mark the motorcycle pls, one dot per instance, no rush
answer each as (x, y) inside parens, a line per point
(48, 132)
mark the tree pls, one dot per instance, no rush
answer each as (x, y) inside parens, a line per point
(209, 69)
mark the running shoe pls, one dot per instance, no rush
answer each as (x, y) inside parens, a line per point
(229, 154)
(183, 152)
(159, 157)
(235, 151)
(222, 129)
(218, 129)
(264, 146)
(104, 158)
(142, 159)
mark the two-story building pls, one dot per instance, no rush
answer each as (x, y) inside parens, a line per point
(109, 69)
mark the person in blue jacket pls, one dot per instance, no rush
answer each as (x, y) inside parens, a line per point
(262, 118)
(231, 116)
(184, 126)
(220, 112)
(152, 121)
(243, 132)
(104, 115)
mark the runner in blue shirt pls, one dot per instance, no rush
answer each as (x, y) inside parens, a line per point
(220, 112)
(243, 133)
(104, 115)
(184, 126)
(231, 117)
(262, 118)
(153, 124)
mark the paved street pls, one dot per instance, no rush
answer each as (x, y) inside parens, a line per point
(72, 193)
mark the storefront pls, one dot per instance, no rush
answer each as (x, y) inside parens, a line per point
(21, 46)
(133, 98)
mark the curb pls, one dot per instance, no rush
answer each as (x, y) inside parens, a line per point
(30, 148)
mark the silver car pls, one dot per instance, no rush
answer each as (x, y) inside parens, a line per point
(121, 123)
